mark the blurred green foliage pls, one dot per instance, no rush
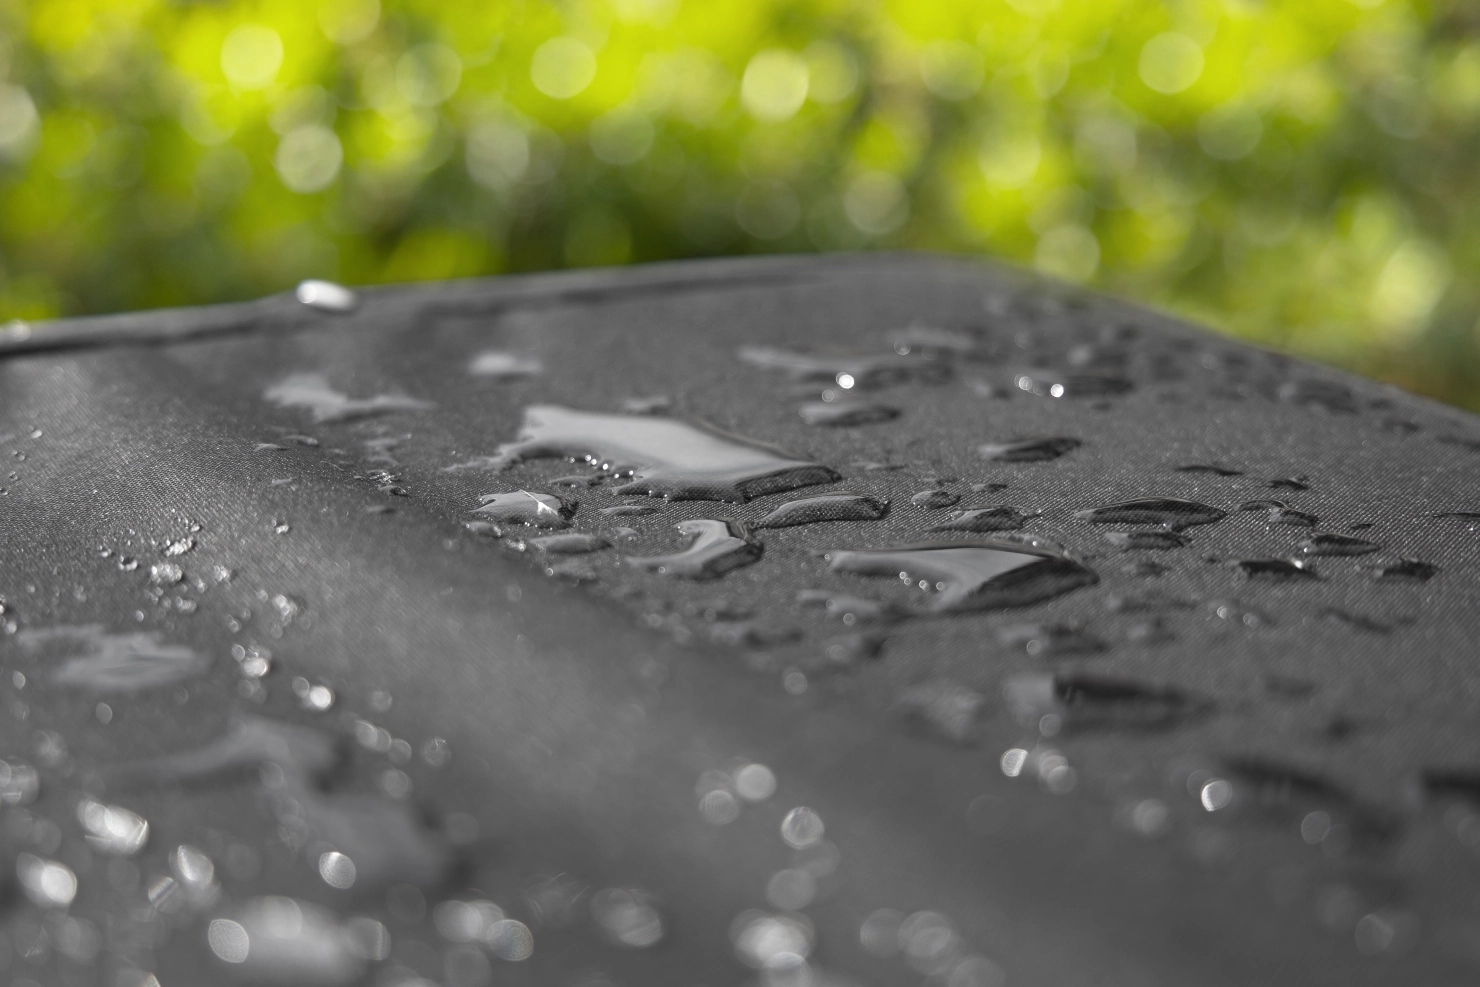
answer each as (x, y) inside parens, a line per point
(1305, 173)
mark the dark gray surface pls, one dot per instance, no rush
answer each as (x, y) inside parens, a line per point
(580, 717)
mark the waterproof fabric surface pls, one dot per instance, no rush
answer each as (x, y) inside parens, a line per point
(380, 735)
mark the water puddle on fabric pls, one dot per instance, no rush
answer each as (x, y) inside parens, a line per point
(540, 510)
(97, 661)
(1039, 450)
(971, 575)
(1169, 512)
(827, 507)
(664, 457)
(312, 391)
(843, 414)
(717, 547)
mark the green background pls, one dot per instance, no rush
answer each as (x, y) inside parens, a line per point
(1303, 173)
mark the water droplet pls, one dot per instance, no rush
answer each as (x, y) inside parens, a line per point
(934, 500)
(312, 391)
(985, 519)
(1050, 640)
(628, 917)
(1039, 450)
(499, 365)
(1409, 570)
(1210, 468)
(1336, 398)
(717, 547)
(19, 783)
(665, 457)
(1337, 545)
(867, 371)
(571, 544)
(771, 942)
(337, 870)
(1143, 540)
(282, 940)
(48, 883)
(841, 414)
(180, 546)
(1276, 570)
(972, 575)
(112, 829)
(1170, 512)
(269, 447)
(1051, 383)
(540, 510)
(1281, 513)
(629, 510)
(1289, 483)
(826, 507)
(114, 662)
(754, 782)
(1095, 702)
(166, 574)
(801, 827)
(1240, 613)
(326, 296)
(852, 609)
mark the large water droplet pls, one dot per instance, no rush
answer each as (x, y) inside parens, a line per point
(1028, 450)
(1142, 540)
(312, 391)
(826, 507)
(1276, 570)
(540, 510)
(717, 548)
(985, 519)
(1170, 512)
(972, 575)
(1327, 544)
(665, 457)
(935, 500)
(326, 296)
(864, 371)
(1407, 570)
(571, 544)
(841, 414)
(103, 662)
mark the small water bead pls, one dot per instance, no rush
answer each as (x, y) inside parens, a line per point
(717, 547)
(326, 296)
(312, 392)
(1037, 450)
(540, 510)
(1337, 545)
(825, 507)
(48, 883)
(166, 574)
(844, 414)
(1290, 483)
(314, 697)
(571, 544)
(972, 575)
(862, 371)
(771, 942)
(754, 782)
(801, 827)
(982, 520)
(719, 807)
(852, 609)
(935, 500)
(664, 457)
(1172, 513)
(1240, 613)
(1406, 570)
(195, 875)
(628, 917)
(337, 870)
(1276, 570)
(499, 365)
(111, 829)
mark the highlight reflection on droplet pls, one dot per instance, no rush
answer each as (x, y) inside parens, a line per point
(801, 828)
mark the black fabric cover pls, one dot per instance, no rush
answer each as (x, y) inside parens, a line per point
(1327, 711)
